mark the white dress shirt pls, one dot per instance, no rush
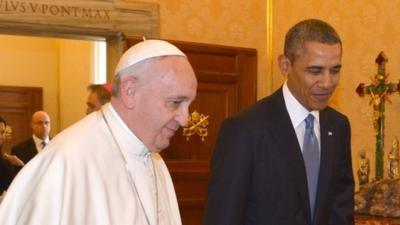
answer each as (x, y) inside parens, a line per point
(38, 142)
(298, 114)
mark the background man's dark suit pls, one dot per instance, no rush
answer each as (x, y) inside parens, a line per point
(259, 173)
(6, 174)
(25, 151)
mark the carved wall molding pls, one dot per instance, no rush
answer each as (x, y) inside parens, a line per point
(110, 20)
(81, 17)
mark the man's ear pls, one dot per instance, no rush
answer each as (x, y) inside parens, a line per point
(129, 86)
(284, 64)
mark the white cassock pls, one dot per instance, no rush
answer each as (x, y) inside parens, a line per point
(81, 179)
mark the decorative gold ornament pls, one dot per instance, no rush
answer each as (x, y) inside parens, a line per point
(363, 168)
(394, 157)
(7, 133)
(197, 124)
(379, 91)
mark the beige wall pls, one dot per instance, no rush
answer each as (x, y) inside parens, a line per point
(239, 23)
(31, 62)
(225, 22)
(366, 27)
(75, 74)
(61, 67)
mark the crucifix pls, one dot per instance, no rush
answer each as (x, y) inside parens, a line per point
(379, 91)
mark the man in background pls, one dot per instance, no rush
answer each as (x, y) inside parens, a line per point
(99, 94)
(106, 168)
(40, 125)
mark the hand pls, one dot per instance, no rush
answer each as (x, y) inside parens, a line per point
(13, 159)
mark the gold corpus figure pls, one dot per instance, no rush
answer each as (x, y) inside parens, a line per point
(197, 124)
(394, 160)
(363, 168)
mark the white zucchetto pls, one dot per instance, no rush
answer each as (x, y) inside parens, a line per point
(145, 50)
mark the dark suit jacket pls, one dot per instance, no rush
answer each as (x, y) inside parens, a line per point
(25, 151)
(6, 174)
(258, 175)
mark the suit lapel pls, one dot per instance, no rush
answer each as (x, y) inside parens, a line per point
(327, 149)
(32, 149)
(289, 146)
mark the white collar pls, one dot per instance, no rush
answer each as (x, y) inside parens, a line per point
(127, 140)
(297, 112)
(39, 141)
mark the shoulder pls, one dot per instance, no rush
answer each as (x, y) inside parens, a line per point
(334, 116)
(80, 138)
(28, 141)
(267, 111)
(22, 145)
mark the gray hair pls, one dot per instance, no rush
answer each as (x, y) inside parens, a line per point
(138, 70)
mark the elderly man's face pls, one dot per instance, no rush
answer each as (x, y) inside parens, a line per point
(162, 106)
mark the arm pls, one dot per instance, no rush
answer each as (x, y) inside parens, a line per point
(342, 212)
(17, 151)
(5, 175)
(13, 159)
(230, 178)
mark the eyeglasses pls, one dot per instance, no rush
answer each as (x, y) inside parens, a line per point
(42, 123)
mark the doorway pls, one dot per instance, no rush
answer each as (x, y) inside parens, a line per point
(63, 68)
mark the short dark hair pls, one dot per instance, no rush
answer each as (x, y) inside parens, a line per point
(103, 94)
(306, 31)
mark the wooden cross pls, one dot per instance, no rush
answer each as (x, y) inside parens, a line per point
(379, 91)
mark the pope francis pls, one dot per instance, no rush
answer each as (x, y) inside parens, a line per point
(105, 169)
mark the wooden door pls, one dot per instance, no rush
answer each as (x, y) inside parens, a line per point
(226, 84)
(17, 104)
